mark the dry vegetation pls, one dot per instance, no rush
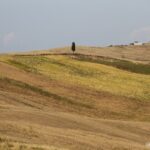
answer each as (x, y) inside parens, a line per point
(132, 53)
(70, 102)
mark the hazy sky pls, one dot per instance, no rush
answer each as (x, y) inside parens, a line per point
(43, 24)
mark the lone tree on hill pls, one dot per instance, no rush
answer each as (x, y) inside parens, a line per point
(73, 47)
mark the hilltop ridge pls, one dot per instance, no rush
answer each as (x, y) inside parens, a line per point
(128, 52)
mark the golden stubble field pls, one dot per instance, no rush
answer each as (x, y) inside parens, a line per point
(60, 102)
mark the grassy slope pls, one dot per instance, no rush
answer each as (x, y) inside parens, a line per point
(132, 53)
(42, 96)
(118, 63)
(92, 75)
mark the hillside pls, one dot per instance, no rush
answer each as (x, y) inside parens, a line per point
(56, 100)
(132, 53)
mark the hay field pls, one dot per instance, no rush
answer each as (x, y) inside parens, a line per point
(132, 53)
(69, 102)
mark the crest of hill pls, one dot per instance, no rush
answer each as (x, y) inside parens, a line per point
(132, 53)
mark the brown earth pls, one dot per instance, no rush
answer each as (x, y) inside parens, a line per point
(87, 120)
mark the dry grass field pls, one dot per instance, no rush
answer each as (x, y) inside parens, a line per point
(133, 53)
(97, 99)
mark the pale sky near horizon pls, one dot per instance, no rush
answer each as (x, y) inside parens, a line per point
(44, 24)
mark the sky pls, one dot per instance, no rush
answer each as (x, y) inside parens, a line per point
(44, 24)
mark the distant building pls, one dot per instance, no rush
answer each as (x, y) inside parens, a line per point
(136, 43)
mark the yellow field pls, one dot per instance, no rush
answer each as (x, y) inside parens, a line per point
(133, 53)
(90, 75)
(61, 102)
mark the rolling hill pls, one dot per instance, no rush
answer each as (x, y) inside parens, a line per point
(98, 99)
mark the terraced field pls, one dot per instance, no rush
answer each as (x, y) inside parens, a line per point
(79, 101)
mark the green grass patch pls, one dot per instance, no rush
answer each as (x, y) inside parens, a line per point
(74, 70)
(121, 64)
(24, 62)
(22, 66)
